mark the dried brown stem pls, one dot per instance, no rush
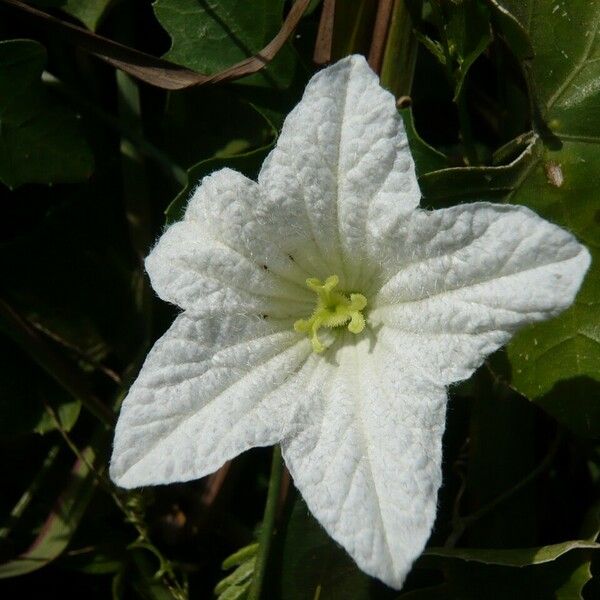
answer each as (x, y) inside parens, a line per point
(156, 71)
(324, 42)
(380, 34)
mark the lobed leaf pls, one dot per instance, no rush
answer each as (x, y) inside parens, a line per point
(209, 36)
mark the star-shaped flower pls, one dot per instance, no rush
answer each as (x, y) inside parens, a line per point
(323, 310)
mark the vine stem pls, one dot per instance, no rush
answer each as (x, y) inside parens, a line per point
(166, 572)
(268, 525)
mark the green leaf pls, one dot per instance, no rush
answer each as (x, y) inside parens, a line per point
(241, 577)
(89, 12)
(211, 35)
(546, 355)
(555, 176)
(555, 571)
(241, 556)
(311, 565)
(468, 33)
(565, 73)
(563, 579)
(518, 557)
(236, 585)
(427, 159)
(67, 413)
(236, 592)
(40, 138)
(512, 31)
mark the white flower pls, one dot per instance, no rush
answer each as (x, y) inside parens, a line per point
(323, 310)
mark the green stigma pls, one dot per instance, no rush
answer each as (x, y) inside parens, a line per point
(333, 309)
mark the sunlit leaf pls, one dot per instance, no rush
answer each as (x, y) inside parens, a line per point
(210, 36)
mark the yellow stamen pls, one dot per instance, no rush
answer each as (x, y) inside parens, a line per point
(333, 309)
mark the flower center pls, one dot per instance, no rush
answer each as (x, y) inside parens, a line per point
(333, 309)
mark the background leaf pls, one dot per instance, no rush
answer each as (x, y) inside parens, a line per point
(312, 565)
(564, 579)
(468, 31)
(247, 163)
(553, 176)
(517, 514)
(89, 12)
(209, 36)
(40, 139)
(563, 76)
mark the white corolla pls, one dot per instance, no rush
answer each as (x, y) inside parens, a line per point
(323, 310)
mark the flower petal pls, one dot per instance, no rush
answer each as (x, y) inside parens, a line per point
(367, 460)
(459, 282)
(216, 261)
(209, 389)
(342, 156)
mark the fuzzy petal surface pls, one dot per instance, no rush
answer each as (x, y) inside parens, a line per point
(342, 157)
(360, 424)
(217, 260)
(368, 457)
(458, 283)
(209, 389)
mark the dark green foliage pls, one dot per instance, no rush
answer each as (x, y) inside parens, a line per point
(40, 139)
(505, 108)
